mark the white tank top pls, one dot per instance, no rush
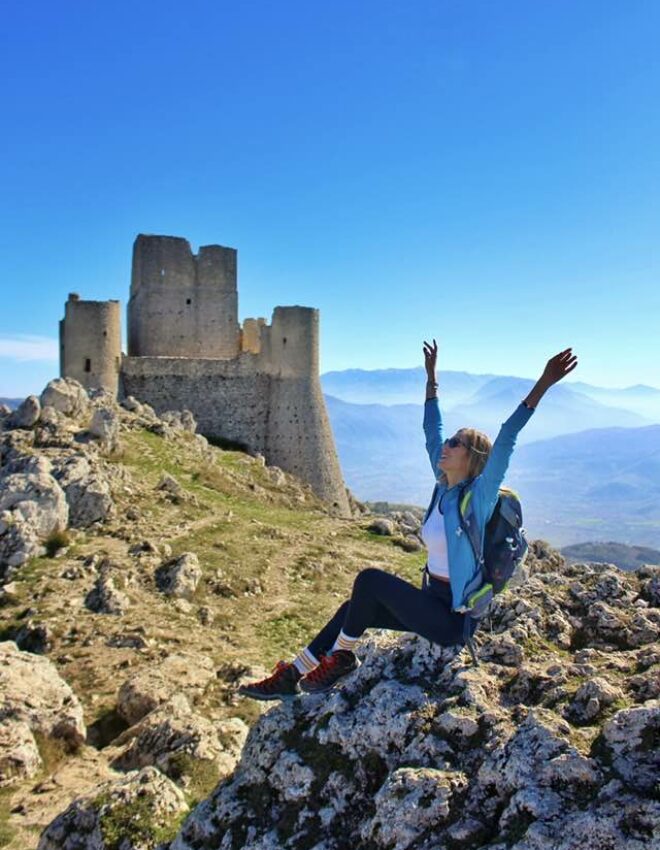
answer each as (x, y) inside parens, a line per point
(435, 540)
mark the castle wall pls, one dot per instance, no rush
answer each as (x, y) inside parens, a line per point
(182, 304)
(269, 402)
(229, 398)
(90, 343)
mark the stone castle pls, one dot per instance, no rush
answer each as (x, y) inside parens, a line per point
(255, 385)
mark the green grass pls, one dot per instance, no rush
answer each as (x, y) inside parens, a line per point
(7, 832)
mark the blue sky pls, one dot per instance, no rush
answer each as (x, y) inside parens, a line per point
(483, 172)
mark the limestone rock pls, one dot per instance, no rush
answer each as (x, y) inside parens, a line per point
(105, 426)
(130, 814)
(381, 525)
(173, 737)
(632, 738)
(87, 492)
(181, 420)
(53, 430)
(26, 414)
(19, 754)
(171, 488)
(179, 578)
(105, 597)
(185, 673)
(411, 801)
(68, 396)
(591, 698)
(32, 691)
(32, 506)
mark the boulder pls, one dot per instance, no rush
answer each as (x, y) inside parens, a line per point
(173, 737)
(381, 525)
(131, 813)
(632, 739)
(105, 597)
(185, 673)
(32, 506)
(26, 414)
(105, 427)
(180, 420)
(68, 396)
(19, 754)
(31, 691)
(180, 576)
(87, 491)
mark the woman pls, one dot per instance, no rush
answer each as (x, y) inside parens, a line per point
(466, 462)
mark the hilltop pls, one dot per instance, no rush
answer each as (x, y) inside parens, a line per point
(186, 569)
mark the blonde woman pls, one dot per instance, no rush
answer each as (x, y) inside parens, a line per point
(467, 461)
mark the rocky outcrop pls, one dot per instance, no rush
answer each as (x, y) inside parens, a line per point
(131, 813)
(87, 491)
(183, 672)
(33, 700)
(26, 414)
(32, 506)
(174, 738)
(549, 744)
(68, 397)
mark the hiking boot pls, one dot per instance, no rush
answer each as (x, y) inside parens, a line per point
(331, 669)
(282, 684)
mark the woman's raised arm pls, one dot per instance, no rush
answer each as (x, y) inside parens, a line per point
(555, 369)
(432, 418)
(493, 474)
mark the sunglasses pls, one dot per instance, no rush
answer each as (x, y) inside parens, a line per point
(453, 442)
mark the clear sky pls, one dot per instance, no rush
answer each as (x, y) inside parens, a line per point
(484, 172)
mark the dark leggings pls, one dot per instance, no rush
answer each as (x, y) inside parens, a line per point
(383, 601)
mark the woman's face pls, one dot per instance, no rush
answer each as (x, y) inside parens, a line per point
(455, 456)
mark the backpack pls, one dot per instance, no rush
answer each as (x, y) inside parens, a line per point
(505, 548)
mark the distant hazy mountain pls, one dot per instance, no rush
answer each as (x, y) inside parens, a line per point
(11, 402)
(563, 410)
(398, 386)
(596, 485)
(406, 386)
(625, 557)
(640, 399)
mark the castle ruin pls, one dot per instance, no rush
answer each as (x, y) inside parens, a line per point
(256, 386)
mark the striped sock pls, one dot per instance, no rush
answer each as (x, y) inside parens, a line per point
(344, 641)
(305, 662)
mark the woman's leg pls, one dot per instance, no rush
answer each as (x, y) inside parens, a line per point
(381, 600)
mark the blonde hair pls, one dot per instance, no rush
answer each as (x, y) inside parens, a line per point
(478, 446)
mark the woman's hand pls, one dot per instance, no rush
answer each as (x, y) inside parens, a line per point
(430, 359)
(556, 368)
(559, 366)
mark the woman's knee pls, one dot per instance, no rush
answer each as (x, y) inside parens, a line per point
(368, 578)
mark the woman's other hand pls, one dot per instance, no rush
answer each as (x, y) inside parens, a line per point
(556, 368)
(559, 366)
(430, 359)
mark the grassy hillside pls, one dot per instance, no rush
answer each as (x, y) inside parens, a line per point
(276, 565)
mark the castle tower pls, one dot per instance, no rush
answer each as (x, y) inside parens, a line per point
(182, 304)
(90, 343)
(299, 437)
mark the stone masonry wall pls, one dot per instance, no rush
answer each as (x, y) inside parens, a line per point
(284, 418)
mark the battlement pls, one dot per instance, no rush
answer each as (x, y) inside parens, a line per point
(169, 261)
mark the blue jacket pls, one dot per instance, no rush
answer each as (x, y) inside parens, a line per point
(464, 574)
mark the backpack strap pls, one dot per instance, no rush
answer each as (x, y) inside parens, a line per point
(468, 523)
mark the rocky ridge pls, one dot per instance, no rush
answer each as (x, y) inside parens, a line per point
(141, 570)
